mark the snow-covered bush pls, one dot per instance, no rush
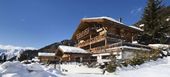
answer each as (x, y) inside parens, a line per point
(141, 57)
(111, 67)
(163, 48)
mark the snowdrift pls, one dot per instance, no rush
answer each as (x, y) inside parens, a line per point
(17, 69)
(159, 68)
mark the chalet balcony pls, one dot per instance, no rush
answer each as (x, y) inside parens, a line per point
(102, 49)
(83, 33)
(91, 41)
(98, 49)
(99, 39)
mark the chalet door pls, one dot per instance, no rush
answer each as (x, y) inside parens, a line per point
(77, 59)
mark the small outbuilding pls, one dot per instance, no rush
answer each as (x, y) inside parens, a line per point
(73, 54)
(48, 57)
(65, 54)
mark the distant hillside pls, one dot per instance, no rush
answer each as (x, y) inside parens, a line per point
(50, 48)
(53, 47)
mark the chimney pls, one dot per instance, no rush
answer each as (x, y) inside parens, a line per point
(120, 19)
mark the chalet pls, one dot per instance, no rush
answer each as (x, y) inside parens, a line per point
(65, 54)
(104, 35)
(73, 54)
(48, 56)
(96, 39)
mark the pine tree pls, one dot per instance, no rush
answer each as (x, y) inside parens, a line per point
(155, 26)
(151, 17)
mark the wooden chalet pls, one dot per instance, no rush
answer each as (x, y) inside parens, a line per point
(65, 54)
(73, 54)
(48, 57)
(100, 34)
(97, 38)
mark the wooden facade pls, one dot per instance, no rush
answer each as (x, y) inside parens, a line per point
(96, 35)
(73, 57)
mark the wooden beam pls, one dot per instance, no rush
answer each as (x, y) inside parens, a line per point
(105, 39)
(90, 40)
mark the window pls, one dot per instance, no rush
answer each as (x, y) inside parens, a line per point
(105, 56)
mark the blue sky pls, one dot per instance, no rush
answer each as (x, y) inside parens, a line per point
(37, 23)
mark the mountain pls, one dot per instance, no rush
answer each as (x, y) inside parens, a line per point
(12, 51)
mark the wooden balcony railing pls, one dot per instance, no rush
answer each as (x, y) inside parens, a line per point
(97, 39)
(83, 33)
(91, 41)
(102, 49)
(98, 49)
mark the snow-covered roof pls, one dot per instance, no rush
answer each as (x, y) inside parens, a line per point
(134, 27)
(129, 47)
(46, 54)
(104, 17)
(135, 48)
(156, 46)
(141, 25)
(111, 19)
(69, 49)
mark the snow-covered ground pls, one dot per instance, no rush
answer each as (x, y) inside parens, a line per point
(159, 68)
(16, 69)
(78, 69)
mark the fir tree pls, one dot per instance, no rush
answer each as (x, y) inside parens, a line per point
(155, 26)
(151, 17)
